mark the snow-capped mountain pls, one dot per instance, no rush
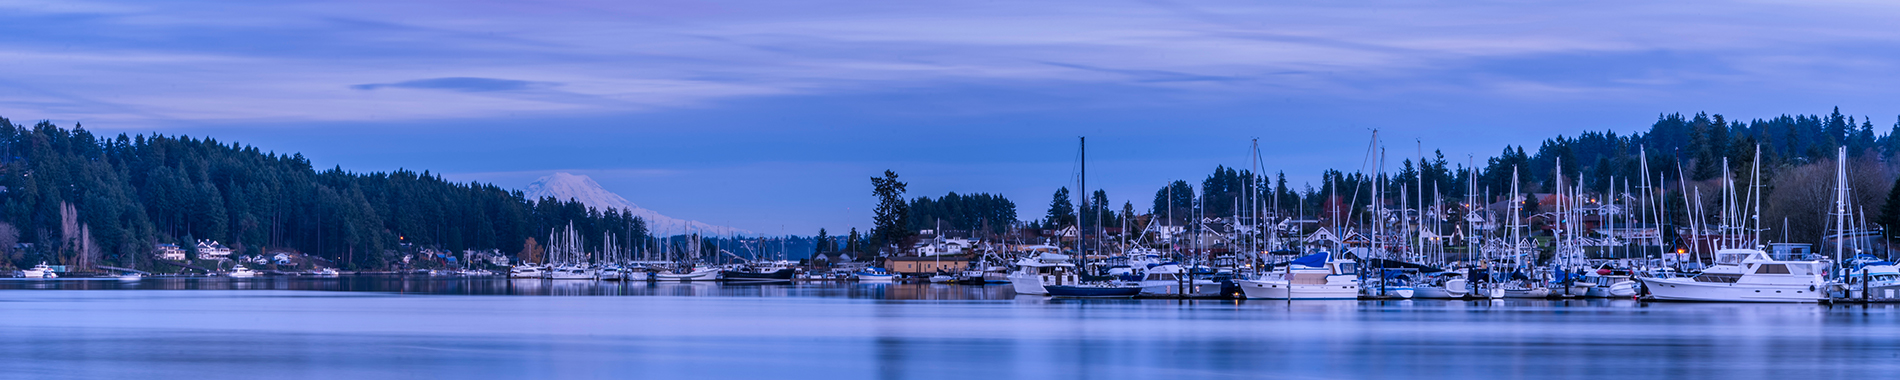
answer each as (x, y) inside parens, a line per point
(580, 188)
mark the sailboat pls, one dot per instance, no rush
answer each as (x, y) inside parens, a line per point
(1745, 274)
(1105, 289)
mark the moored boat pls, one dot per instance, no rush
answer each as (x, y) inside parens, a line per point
(1307, 278)
(1104, 290)
(1744, 275)
(1033, 274)
(39, 271)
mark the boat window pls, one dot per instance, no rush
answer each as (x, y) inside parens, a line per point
(1730, 258)
(1772, 269)
(1348, 267)
(1801, 269)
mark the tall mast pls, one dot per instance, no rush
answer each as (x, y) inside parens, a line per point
(1840, 204)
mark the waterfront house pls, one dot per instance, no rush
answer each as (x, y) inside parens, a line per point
(212, 250)
(169, 252)
(926, 265)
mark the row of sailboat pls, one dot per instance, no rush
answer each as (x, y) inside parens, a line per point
(1501, 261)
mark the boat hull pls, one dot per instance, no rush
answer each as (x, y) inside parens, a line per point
(1259, 289)
(1200, 288)
(1450, 290)
(1527, 293)
(778, 275)
(698, 275)
(1078, 291)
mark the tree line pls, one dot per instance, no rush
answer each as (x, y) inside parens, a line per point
(125, 194)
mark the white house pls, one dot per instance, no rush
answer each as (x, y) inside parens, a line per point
(169, 252)
(212, 250)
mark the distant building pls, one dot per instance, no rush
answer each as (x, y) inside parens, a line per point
(212, 250)
(926, 265)
(169, 252)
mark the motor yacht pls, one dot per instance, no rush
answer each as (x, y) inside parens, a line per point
(526, 271)
(39, 271)
(241, 271)
(1033, 274)
(1309, 277)
(1744, 275)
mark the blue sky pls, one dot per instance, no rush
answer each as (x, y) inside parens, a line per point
(770, 115)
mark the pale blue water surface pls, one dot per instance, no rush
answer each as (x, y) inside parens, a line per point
(392, 327)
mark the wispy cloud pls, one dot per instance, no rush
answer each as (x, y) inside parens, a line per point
(301, 61)
(461, 84)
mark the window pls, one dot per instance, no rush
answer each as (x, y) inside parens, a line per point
(1772, 269)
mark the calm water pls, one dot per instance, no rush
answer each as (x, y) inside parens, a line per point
(391, 327)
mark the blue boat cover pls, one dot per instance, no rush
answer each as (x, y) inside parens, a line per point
(1313, 260)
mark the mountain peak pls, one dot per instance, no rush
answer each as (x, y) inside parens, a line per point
(580, 188)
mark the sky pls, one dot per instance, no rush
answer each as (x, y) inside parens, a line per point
(771, 115)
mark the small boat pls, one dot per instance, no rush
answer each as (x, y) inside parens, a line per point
(129, 276)
(782, 274)
(1443, 286)
(1094, 291)
(326, 272)
(241, 272)
(700, 274)
(526, 271)
(1526, 292)
(39, 271)
(1610, 284)
(571, 273)
(873, 274)
(942, 278)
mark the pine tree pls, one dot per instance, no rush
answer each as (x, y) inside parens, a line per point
(822, 243)
(1061, 211)
(892, 215)
(1890, 213)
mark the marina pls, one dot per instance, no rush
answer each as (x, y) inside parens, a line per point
(376, 327)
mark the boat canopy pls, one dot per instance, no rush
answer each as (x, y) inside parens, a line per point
(1314, 260)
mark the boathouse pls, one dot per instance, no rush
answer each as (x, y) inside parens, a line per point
(926, 265)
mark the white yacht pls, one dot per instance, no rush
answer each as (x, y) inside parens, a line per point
(526, 271)
(571, 273)
(1307, 278)
(241, 271)
(326, 272)
(696, 275)
(1744, 275)
(1170, 279)
(1032, 273)
(39, 271)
